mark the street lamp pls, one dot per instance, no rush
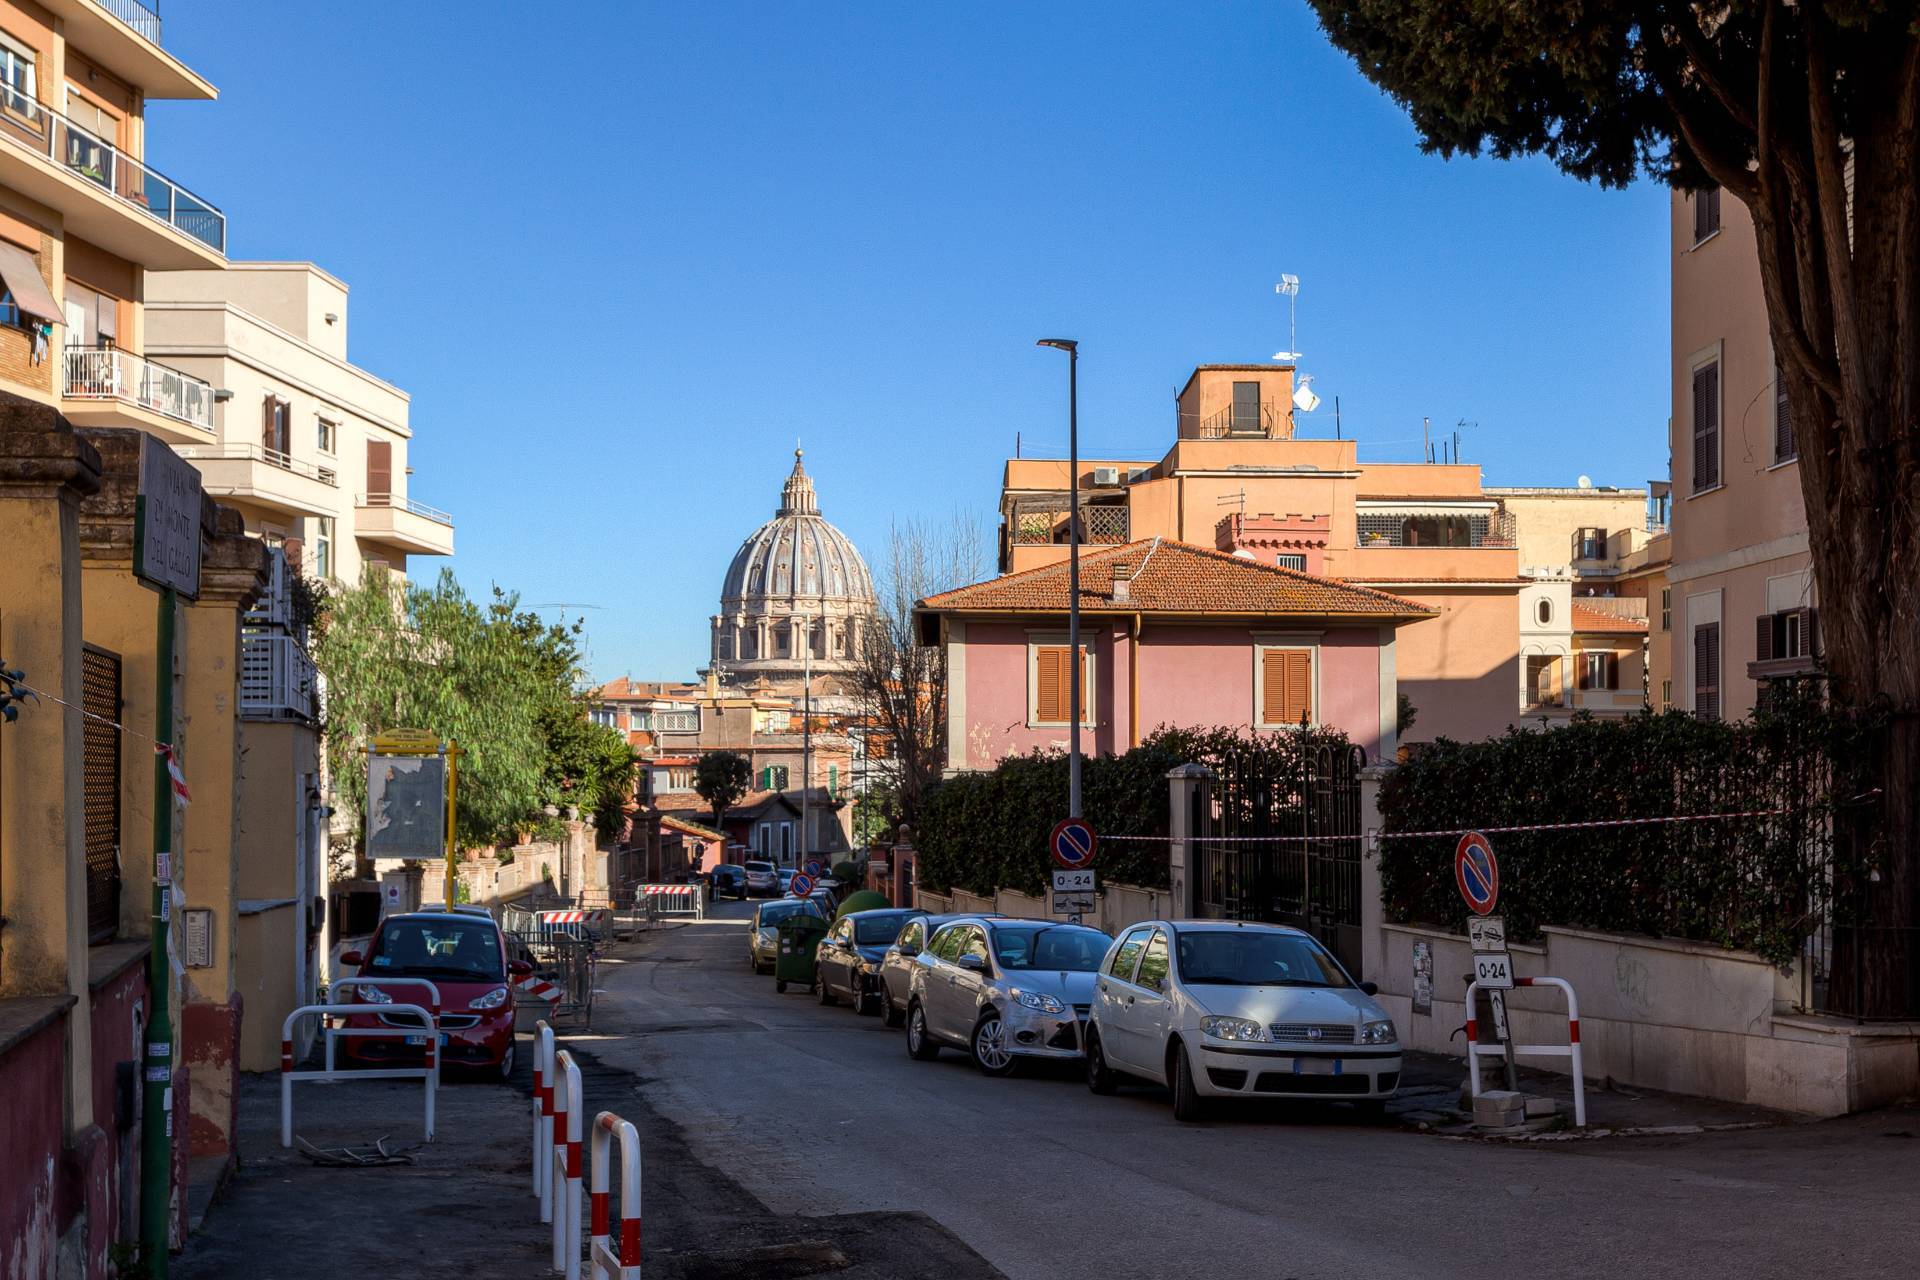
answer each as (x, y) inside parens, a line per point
(1072, 349)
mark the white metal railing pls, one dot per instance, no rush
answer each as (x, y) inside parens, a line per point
(274, 608)
(258, 453)
(108, 373)
(395, 501)
(141, 18)
(27, 122)
(277, 677)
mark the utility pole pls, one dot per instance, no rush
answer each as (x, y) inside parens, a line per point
(1075, 667)
(156, 1118)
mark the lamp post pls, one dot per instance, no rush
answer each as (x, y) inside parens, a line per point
(1072, 348)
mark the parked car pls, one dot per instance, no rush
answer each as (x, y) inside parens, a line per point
(763, 942)
(823, 899)
(730, 878)
(1236, 1010)
(1002, 990)
(763, 881)
(896, 966)
(464, 956)
(786, 875)
(849, 958)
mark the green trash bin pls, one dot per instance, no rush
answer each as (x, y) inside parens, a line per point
(800, 933)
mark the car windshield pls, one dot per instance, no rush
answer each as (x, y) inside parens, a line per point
(1056, 946)
(774, 912)
(464, 950)
(1256, 958)
(879, 931)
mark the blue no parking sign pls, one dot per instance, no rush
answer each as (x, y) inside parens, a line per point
(1073, 843)
(1476, 872)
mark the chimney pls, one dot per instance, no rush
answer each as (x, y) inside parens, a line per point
(713, 685)
(1122, 583)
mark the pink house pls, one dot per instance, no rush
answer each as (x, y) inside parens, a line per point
(1171, 634)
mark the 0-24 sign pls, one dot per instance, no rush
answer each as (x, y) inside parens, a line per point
(1493, 970)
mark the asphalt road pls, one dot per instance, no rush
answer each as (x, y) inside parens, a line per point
(817, 1112)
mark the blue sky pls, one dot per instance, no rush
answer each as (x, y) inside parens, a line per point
(624, 255)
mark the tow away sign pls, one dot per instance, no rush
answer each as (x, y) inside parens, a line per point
(1073, 892)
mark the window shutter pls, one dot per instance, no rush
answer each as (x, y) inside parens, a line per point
(1809, 631)
(379, 468)
(1613, 671)
(1286, 686)
(1706, 671)
(1763, 637)
(1050, 695)
(1783, 445)
(1584, 667)
(266, 425)
(1706, 427)
(1273, 687)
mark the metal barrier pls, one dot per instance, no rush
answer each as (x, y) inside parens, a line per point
(601, 1260)
(428, 1074)
(673, 900)
(564, 1165)
(582, 924)
(543, 1117)
(340, 991)
(1476, 1050)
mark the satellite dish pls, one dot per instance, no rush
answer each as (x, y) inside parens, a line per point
(1585, 482)
(1303, 398)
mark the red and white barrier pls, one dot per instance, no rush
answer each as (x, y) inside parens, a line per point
(673, 899)
(602, 1261)
(543, 1118)
(536, 989)
(564, 1165)
(1476, 1050)
(428, 1074)
(343, 991)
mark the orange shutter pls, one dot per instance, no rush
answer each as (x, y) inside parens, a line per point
(1050, 670)
(379, 468)
(1286, 686)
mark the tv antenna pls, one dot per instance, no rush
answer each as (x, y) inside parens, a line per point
(1289, 285)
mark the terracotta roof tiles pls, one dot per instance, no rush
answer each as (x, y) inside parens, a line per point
(1593, 620)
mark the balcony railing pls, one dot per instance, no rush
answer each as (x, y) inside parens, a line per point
(107, 373)
(1045, 522)
(142, 18)
(258, 453)
(399, 503)
(277, 678)
(1419, 529)
(1259, 420)
(30, 123)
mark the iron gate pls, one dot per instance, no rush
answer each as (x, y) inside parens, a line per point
(1282, 842)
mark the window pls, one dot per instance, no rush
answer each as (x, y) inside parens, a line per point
(1706, 670)
(680, 779)
(1599, 671)
(1590, 544)
(1784, 448)
(93, 318)
(276, 430)
(909, 939)
(947, 942)
(679, 722)
(773, 777)
(639, 718)
(1246, 407)
(1706, 213)
(1285, 685)
(1544, 612)
(17, 80)
(1706, 427)
(786, 842)
(833, 781)
(1128, 952)
(1288, 560)
(323, 547)
(1153, 963)
(1052, 694)
(974, 942)
(1666, 695)
(1784, 635)
(603, 716)
(1543, 680)
(1666, 608)
(379, 471)
(766, 840)
(327, 435)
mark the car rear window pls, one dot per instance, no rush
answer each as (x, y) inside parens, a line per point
(760, 866)
(879, 931)
(774, 912)
(462, 950)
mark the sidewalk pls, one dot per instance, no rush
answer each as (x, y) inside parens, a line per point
(462, 1208)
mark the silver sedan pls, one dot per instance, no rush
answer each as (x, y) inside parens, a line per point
(1003, 990)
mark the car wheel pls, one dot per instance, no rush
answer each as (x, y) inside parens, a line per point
(991, 1053)
(826, 994)
(780, 985)
(889, 1013)
(504, 1072)
(920, 1045)
(1187, 1102)
(863, 1004)
(1100, 1077)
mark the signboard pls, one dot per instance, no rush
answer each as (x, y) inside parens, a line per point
(1423, 977)
(802, 885)
(1493, 970)
(1073, 892)
(813, 867)
(166, 520)
(1487, 933)
(1072, 843)
(1476, 872)
(406, 806)
(407, 742)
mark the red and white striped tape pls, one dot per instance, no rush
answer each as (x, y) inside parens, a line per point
(1461, 831)
(562, 917)
(650, 890)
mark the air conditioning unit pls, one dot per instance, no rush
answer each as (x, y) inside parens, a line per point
(1139, 475)
(1106, 477)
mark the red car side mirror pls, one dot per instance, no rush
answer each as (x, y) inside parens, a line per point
(352, 957)
(519, 968)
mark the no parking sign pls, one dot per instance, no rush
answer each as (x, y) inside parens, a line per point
(1477, 873)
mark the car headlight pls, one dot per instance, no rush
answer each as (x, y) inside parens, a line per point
(767, 936)
(1039, 1000)
(492, 1000)
(375, 995)
(1242, 1029)
(1377, 1033)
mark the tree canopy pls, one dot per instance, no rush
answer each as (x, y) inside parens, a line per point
(720, 779)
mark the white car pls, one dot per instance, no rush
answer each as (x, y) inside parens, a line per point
(1227, 1009)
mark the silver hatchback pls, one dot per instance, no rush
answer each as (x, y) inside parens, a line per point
(1003, 990)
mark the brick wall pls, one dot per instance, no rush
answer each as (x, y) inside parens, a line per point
(16, 345)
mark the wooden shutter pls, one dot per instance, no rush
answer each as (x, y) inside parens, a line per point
(1783, 445)
(1763, 637)
(1050, 684)
(1613, 671)
(1706, 671)
(1286, 686)
(379, 468)
(1582, 672)
(1809, 631)
(1706, 427)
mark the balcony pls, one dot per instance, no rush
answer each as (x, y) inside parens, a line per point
(397, 521)
(1437, 529)
(96, 186)
(1042, 521)
(1245, 422)
(277, 678)
(265, 477)
(108, 374)
(144, 20)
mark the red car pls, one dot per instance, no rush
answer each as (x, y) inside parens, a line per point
(462, 954)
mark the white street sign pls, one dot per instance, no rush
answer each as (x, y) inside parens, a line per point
(1493, 970)
(1487, 933)
(1076, 881)
(1073, 904)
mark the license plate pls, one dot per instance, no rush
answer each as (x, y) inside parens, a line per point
(1316, 1066)
(422, 1040)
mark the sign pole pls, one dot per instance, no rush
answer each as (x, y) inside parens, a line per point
(156, 1119)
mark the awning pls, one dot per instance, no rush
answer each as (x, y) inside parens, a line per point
(30, 292)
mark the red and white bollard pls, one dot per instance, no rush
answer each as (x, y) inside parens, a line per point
(601, 1259)
(565, 1167)
(543, 1118)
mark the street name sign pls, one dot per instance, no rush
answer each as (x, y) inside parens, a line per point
(166, 520)
(1073, 844)
(1477, 873)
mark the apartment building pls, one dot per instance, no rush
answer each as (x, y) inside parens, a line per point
(1236, 478)
(1744, 605)
(309, 447)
